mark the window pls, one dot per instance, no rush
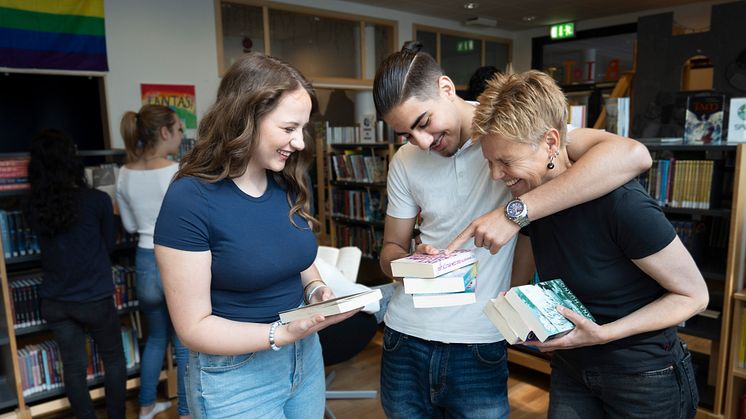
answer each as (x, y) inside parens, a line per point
(327, 47)
(459, 54)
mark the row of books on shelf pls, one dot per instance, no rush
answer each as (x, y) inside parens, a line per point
(18, 238)
(369, 131)
(363, 205)
(355, 167)
(14, 174)
(683, 183)
(41, 363)
(368, 239)
(25, 295)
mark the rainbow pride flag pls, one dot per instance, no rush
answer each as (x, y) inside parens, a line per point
(55, 34)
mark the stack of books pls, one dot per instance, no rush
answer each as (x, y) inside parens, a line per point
(529, 312)
(438, 280)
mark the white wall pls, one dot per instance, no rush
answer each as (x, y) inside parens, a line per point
(174, 42)
(161, 41)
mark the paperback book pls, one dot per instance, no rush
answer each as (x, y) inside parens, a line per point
(333, 306)
(429, 266)
(536, 306)
(454, 281)
(704, 118)
(507, 320)
(737, 120)
(449, 299)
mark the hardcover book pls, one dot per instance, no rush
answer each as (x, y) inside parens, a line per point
(454, 281)
(429, 266)
(737, 120)
(536, 305)
(704, 118)
(449, 299)
(332, 307)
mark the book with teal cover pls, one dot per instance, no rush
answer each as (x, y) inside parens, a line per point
(537, 305)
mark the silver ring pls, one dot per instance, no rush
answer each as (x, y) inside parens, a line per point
(486, 246)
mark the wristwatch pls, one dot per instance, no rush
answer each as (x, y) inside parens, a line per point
(517, 212)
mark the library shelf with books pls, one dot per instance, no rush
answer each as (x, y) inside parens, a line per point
(716, 238)
(351, 197)
(23, 335)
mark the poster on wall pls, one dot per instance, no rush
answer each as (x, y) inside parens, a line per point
(180, 98)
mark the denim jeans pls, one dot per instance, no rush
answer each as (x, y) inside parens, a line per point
(288, 383)
(69, 323)
(591, 392)
(160, 330)
(426, 379)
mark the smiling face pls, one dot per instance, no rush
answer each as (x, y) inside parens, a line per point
(433, 123)
(522, 167)
(281, 131)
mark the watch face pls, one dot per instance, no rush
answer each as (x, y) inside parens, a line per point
(515, 208)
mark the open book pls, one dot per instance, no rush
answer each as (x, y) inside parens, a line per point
(536, 309)
(346, 259)
(333, 306)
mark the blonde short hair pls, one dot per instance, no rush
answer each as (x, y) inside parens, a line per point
(521, 107)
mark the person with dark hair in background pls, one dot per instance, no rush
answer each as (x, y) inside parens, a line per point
(451, 361)
(150, 136)
(75, 226)
(235, 247)
(478, 80)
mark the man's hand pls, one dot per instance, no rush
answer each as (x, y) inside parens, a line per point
(490, 231)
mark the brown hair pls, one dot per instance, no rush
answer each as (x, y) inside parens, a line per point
(141, 130)
(521, 107)
(228, 133)
(405, 74)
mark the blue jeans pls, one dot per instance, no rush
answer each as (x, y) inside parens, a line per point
(69, 323)
(591, 392)
(288, 383)
(427, 379)
(158, 325)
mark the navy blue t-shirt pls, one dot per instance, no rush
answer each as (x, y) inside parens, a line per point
(257, 253)
(76, 262)
(591, 247)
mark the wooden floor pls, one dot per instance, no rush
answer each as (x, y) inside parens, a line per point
(527, 390)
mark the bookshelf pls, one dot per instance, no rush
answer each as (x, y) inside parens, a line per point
(15, 273)
(720, 253)
(351, 191)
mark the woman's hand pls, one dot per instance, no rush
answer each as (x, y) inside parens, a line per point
(299, 329)
(585, 333)
(490, 231)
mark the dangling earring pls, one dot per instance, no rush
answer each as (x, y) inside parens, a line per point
(550, 165)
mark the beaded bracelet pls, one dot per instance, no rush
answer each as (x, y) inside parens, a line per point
(272, 330)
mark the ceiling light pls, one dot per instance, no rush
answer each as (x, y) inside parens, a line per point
(471, 6)
(529, 18)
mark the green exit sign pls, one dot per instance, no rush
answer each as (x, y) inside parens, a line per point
(562, 30)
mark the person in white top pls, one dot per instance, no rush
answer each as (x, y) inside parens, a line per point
(150, 137)
(450, 361)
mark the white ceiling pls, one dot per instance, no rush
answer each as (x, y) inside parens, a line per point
(510, 13)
